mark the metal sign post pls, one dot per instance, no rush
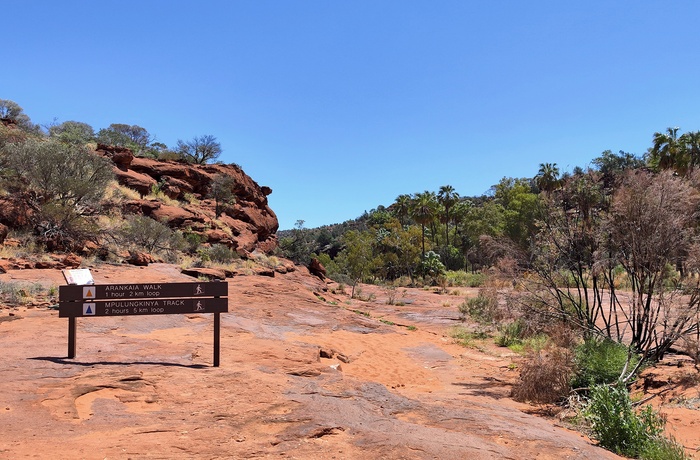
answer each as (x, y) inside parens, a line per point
(143, 299)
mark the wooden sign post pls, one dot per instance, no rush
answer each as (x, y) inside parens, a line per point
(143, 299)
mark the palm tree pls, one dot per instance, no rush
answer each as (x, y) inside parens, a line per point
(460, 211)
(547, 177)
(667, 152)
(690, 144)
(447, 196)
(423, 212)
(402, 207)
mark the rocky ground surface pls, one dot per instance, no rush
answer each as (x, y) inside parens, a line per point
(304, 374)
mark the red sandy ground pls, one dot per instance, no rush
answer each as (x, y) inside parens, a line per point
(143, 386)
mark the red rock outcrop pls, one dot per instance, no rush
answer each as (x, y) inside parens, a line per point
(142, 183)
(250, 220)
(140, 259)
(121, 156)
(4, 230)
(317, 268)
(16, 211)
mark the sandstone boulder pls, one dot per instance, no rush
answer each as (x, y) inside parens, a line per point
(72, 261)
(142, 183)
(140, 259)
(121, 156)
(145, 207)
(15, 211)
(4, 230)
(317, 268)
(208, 273)
(177, 217)
(218, 237)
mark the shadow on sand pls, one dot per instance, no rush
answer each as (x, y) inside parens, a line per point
(119, 363)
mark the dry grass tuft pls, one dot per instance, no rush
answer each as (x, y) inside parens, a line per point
(118, 193)
(545, 376)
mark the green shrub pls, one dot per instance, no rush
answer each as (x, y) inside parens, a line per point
(481, 308)
(476, 279)
(431, 265)
(464, 337)
(193, 240)
(360, 295)
(65, 197)
(333, 271)
(663, 449)
(147, 234)
(456, 278)
(532, 344)
(462, 278)
(510, 334)
(218, 253)
(617, 427)
(601, 362)
(19, 292)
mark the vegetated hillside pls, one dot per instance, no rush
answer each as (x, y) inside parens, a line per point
(102, 201)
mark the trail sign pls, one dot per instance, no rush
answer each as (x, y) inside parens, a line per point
(142, 299)
(143, 290)
(142, 307)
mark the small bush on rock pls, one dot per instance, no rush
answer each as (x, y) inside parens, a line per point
(601, 362)
(545, 376)
(483, 308)
(144, 233)
(218, 253)
(619, 428)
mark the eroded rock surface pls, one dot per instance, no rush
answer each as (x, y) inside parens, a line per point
(250, 220)
(300, 377)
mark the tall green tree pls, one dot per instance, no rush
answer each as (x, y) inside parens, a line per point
(13, 111)
(402, 208)
(133, 137)
(423, 213)
(357, 256)
(485, 219)
(72, 132)
(667, 152)
(222, 192)
(690, 143)
(406, 246)
(520, 205)
(447, 196)
(297, 245)
(547, 177)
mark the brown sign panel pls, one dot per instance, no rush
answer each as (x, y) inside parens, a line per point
(141, 307)
(142, 291)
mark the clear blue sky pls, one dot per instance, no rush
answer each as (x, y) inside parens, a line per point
(343, 106)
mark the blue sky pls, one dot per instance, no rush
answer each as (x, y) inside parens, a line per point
(343, 106)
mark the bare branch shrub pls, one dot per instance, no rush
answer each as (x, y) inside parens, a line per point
(588, 241)
(545, 376)
(651, 227)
